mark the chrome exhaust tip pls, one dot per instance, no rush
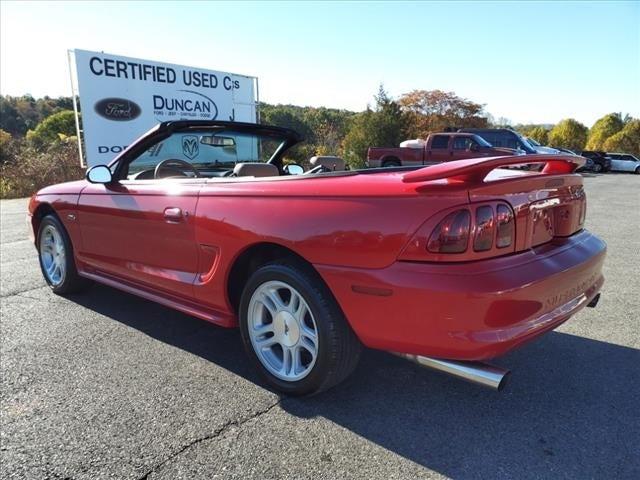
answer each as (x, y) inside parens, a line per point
(476, 372)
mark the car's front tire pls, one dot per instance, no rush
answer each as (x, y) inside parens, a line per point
(294, 331)
(55, 253)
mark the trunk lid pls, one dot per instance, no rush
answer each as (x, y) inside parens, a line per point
(548, 205)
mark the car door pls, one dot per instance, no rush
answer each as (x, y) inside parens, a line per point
(141, 229)
(631, 163)
(439, 149)
(617, 164)
(141, 233)
(466, 147)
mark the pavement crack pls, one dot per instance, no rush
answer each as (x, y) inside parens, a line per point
(19, 293)
(238, 422)
(4, 244)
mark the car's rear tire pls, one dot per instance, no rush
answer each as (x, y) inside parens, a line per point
(294, 331)
(55, 254)
(391, 163)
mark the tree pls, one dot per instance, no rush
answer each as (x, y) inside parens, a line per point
(568, 133)
(539, 134)
(386, 125)
(626, 140)
(53, 128)
(321, 128)
(435, 110)
(604, 128)
(20, 114)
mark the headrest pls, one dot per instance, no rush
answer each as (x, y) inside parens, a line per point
(331, 163)
(255, 170)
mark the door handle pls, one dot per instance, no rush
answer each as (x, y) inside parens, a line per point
(173, 214)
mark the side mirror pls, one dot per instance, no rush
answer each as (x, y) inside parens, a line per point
(474, 147)
(99, 174)
(294, 169)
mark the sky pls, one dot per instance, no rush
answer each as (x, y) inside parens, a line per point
(529, 62)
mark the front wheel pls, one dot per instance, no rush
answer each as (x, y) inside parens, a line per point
(294, 331)
(597, 168)
(55, 253)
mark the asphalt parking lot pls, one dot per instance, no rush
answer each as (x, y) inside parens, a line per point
(107, 385)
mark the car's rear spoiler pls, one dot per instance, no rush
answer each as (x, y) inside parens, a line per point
(475, 170)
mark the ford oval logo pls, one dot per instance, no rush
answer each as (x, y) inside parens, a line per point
(118, 109)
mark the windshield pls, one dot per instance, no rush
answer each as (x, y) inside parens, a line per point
(481, 141)
(209, 150)
(526, 146)
(532, 142)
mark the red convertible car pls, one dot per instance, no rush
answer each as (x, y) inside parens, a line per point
(448, 265)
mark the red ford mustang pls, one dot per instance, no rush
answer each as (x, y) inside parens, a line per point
(449, 264)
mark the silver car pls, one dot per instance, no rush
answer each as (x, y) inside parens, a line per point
(624, 162)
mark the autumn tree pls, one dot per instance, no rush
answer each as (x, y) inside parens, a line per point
(626, 140)
(604, 128)
(568, 133)
(435, 110)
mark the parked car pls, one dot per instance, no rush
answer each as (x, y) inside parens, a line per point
(588, 165)
(541, 148)
(438, 147)
(503, 137)
(565, 150)
(624, 162)
(448, 265)
(600, 162)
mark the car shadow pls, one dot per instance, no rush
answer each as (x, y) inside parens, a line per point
(571, 410)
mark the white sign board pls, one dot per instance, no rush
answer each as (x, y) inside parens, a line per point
(121, 98)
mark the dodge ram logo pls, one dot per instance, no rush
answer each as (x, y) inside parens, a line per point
(190, 147)
(117, 109)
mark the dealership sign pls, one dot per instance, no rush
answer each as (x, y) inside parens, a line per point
(121, 98)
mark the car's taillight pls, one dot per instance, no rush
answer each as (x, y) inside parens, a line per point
(470, 233)
(506, 227)
(452, 233)
(485, 229)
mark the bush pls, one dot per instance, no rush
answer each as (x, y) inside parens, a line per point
(52, 129)
(28, 169)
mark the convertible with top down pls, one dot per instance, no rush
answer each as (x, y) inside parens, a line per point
(449, 265)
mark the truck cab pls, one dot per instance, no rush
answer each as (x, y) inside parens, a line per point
(437, 148)
(503, 137)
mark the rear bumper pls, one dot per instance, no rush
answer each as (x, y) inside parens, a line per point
(471, 311)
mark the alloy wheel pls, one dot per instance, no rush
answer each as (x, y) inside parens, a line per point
(282, 330)
(52, 255)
